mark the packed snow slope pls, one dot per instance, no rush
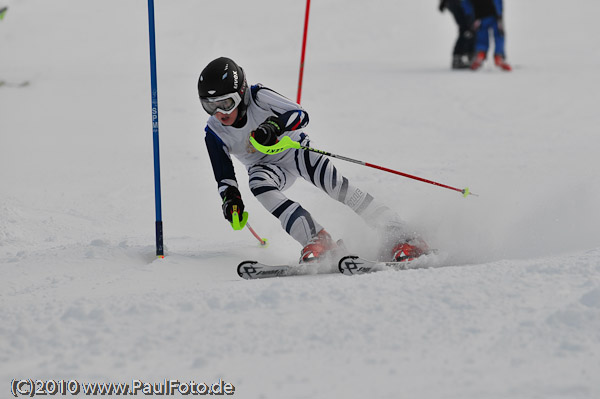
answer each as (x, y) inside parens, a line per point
(516, 312)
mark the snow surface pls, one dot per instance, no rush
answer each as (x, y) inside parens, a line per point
(515, 314)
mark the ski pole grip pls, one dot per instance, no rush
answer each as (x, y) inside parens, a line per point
(236, 223)
(284, 144)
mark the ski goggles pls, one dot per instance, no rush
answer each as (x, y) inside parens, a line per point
(224, 104)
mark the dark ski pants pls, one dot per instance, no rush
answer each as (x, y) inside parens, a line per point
(465, 42)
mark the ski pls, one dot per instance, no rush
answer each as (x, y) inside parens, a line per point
(351, 265)
(334, 262)
(24, 83)
(251, 269)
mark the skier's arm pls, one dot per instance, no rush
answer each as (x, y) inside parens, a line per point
(498, 7)
(442, 5)
(290, 115)
(220, 161)
(293, 120)
(468, 8)
(224, 175)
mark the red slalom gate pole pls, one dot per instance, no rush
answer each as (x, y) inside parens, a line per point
(303, 51)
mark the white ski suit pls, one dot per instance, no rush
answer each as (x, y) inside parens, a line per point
(270, 175)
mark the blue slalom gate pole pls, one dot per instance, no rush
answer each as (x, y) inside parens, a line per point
(159, 226)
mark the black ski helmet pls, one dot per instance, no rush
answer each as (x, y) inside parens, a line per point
(223, 76)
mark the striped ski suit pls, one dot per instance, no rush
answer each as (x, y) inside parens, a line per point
(270, 175)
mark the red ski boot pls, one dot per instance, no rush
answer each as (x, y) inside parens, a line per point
(407, 251)
(478, 61)
(318, 247)
(501, 63)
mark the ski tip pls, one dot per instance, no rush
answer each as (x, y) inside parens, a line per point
(246, 269)
(347, 265)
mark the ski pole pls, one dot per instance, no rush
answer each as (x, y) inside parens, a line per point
(238, 224)
(287, 143)
(263, 241)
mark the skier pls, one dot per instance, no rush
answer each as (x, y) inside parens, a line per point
(239, 112)
(3, 10)
(462, 53)
(488, 16)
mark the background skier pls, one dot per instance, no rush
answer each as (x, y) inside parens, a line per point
(3, 9)
(488, 17)
(462, 53)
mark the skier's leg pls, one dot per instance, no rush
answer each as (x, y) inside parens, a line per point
(499, 53)
(481, 43)
(266, 183)
(482, 36)
(465, 40)
(320, 171)
(498, 41)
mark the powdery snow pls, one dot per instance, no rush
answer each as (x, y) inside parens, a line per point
(514, 312)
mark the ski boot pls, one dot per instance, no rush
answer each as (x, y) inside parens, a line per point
(461, 61)
(501, 62)
(406, 251)
(318, 247)
(478, 61)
